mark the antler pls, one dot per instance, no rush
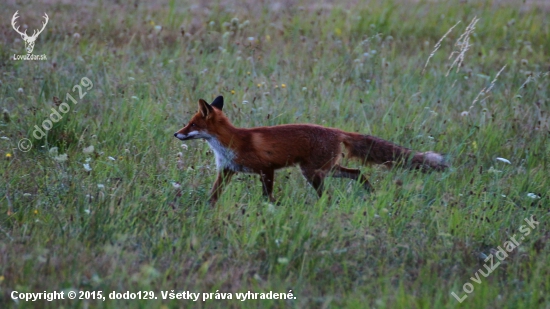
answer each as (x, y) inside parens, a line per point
(35, 34)
(17, 29)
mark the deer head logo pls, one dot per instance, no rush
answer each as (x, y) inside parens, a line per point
(29, 40)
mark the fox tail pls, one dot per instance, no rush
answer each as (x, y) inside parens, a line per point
(371, 149)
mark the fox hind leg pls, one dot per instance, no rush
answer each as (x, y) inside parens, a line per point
(355, 174)
(316, 178)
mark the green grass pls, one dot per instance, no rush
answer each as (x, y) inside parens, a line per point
(124, 226)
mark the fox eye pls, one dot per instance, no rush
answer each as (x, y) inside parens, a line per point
(192, 124)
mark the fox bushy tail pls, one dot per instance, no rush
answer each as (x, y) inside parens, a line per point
(371, 149)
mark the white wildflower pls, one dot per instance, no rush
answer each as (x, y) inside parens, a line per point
(282, 260)
(88, 150)
(61, 158)
(532, 195)
(87, 167)
(504, 160)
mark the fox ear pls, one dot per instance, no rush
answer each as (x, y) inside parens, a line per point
(204, 108)
(218, 103)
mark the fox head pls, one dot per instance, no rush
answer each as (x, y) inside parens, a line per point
(203, 122)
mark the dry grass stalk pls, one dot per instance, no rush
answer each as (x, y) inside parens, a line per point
(437, 45)
(486, 89)
(463, 44)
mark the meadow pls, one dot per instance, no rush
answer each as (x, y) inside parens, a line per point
(108, 200)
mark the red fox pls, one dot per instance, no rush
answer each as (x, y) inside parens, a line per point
(316, 149)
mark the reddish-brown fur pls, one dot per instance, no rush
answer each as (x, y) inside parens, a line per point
(316, 149)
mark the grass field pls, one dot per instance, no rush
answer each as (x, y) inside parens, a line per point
(108, 200)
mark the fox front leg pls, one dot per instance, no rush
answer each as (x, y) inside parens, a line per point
(224, 176)
(266, 177)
